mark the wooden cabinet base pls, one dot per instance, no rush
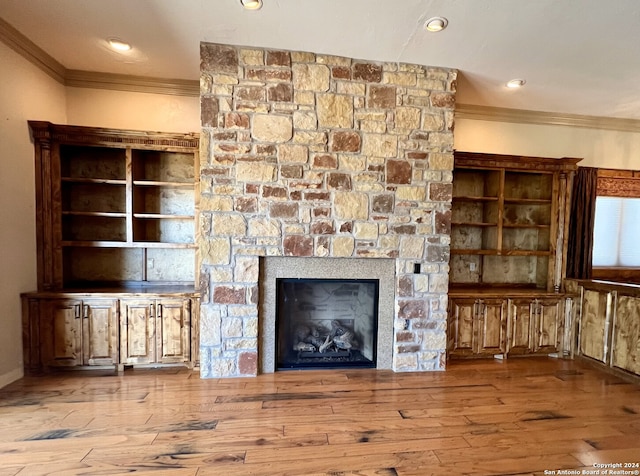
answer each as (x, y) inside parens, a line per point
(109, 330)
(488, 326)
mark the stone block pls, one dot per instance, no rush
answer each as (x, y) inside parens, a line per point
(412, 309)
(322, 227)
(440, 192)
(444, 100)
(215, 251)
(255, 172)
(398, 171)
(411, 193)
(340, 72)
(443, 222)
(278, 192)
(311, 77)
(228, 224)
(365, 231)
(338, 181)
(351, 163)
(231, 327)
(280, 93)
(343, 246)
(306, 120)
(209, 109)
(278, 58)
(325, 161)
(432, 122)
(380, 145)
(407, 118)
(210, 322)
(223, 367)
(215, 58)
(405, 362)
(411, 247)
(351, 206)
(246, 269)
(298, 245)
(283, 210)
(248, 363)
(223, 294)
(382, 203)
(400, 78)
(369, 72)
(293, 153)
(272, 128)
(251, 57)
(264, 227)
(250, 93)
(291, 171)
(381, 97)
(335, 110)
(344, 141)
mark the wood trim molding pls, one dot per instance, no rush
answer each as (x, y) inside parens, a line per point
(522, 116)
(30, 51)
(139, 84)
(89, 79)
(618, 183)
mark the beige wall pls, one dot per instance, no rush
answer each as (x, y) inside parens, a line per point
(598, 148)
(125, 110)
(28, 93)
(25, 93)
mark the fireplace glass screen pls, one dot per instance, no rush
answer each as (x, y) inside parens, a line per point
(326, 323)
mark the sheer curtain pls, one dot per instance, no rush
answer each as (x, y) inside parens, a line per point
(583, 207)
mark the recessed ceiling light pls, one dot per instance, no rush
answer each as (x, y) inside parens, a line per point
(251, 4)
(118, 45)
(516, 83)
(436, 24)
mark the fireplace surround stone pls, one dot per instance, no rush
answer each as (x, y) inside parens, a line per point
(318, 157)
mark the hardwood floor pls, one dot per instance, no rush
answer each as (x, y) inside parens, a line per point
(520, 416)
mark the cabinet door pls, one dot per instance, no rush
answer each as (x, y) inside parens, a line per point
(462, 326)
(626, 335)
(172, 324)
(61, 332)
(100, 332)
(137, 331)
(521, 321)
(594, 318)
(549, 326)
(491, 327)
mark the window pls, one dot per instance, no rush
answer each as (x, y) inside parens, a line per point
(616, 240)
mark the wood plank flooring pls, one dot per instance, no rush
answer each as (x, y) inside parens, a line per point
(520, 416)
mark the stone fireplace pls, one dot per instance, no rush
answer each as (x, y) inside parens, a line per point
(333, 162)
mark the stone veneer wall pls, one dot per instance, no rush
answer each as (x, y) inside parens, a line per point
(310, 155)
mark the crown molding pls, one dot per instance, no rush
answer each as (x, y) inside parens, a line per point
(89, 79)
(30, 51)
(139, 84)
(522, 116)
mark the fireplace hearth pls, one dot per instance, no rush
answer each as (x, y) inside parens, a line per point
(326, 323)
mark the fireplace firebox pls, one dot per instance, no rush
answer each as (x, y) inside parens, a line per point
(326, 323)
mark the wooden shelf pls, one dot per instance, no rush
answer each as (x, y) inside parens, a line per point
(115, 205)
(506, 213)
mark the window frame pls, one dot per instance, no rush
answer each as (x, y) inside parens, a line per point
(622, 184)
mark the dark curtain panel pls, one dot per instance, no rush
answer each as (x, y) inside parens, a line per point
(583, 211)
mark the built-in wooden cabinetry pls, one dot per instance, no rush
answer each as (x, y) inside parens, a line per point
(117, 215)
(509, 222)
(607, 328)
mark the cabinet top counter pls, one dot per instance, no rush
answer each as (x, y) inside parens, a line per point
(117, 293)
(627, 289)
(501, 292)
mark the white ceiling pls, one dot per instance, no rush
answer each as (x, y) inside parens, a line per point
(578, 56)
